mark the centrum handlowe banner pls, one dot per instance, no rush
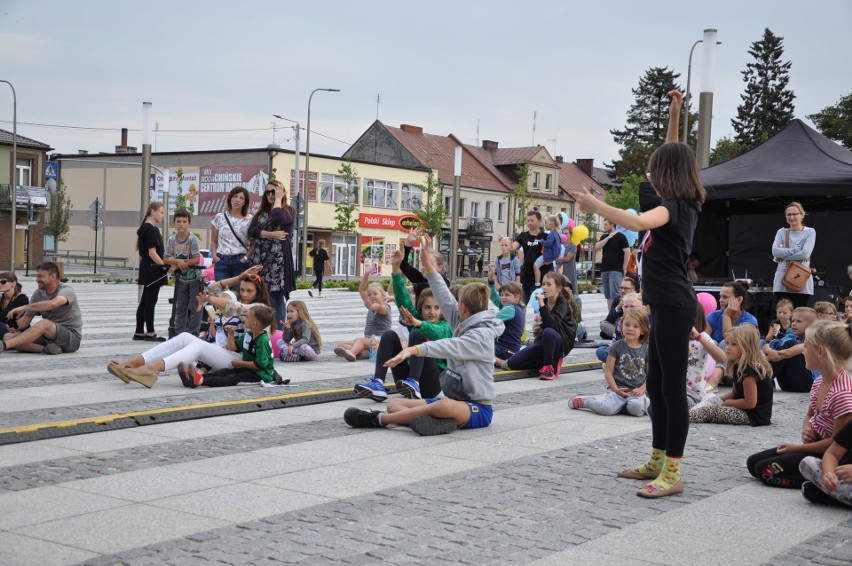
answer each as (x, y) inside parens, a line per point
(216, 181)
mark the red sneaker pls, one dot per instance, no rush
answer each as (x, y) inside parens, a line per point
(546, 373)
(197, 378)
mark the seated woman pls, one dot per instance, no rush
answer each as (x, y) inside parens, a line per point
(733, 300)
(10, 298)
(186, 348)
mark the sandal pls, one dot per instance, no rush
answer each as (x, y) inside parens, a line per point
(140, 336)
(634, 474)
(152, 338)
(651, 491)
(114, 368)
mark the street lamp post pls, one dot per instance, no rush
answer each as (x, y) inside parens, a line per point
(146, 161)
(13, 186)
(705, 98)
(298, 194)
(686, 98)
(307, 185)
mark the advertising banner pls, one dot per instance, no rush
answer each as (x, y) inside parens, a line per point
(216, 181)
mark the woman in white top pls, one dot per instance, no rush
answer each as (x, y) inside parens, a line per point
(229, 240)
(800, 248)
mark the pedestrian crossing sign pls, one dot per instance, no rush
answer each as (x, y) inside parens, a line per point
(51, 171)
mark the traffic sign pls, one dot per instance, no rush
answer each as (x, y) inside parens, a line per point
(96, 223)
(96, 206)
(51, 170)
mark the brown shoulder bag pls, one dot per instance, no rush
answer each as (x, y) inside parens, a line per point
(797, 275)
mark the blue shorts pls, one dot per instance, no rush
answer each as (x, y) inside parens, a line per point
(480, 415)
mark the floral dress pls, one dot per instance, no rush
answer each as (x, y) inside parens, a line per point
(276, 256)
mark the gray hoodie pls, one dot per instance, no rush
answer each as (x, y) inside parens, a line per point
(469, 353)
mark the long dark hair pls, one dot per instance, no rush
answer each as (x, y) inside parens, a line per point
(266, 206)
(151, 208)
(673, 173)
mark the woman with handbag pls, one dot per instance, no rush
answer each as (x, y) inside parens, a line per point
(322, 266)
(792, 251)
(229, 235)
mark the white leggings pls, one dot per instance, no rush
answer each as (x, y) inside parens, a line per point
(189, 349)
(613, 403)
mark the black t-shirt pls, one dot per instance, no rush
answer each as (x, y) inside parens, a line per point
(761, 415)
(613, 252)
(664, 255)
(532, 247)
(320, 257)
(149, 237)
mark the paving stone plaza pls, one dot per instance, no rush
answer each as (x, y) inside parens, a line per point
(297, 485)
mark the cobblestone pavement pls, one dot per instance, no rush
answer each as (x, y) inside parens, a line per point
(298, 486)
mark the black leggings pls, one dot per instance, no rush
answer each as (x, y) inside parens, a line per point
(145, 310)
(668, 350)
(798, 299)
(421, 369)
(778, 470)
(318, 273)
(226, 377)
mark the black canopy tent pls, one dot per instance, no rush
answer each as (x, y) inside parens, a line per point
(746, 197)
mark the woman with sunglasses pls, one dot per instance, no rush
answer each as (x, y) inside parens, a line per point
(795, 243)
(272, 229)
(188, 349)
(10, 298)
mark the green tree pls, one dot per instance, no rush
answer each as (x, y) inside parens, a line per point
(520, 196)
(433, 215)
(647, 121)
(627, 196)
(726, 149)
(60, 212)
(180, 199)
(767, 104)
(835, 122)
(345, 207)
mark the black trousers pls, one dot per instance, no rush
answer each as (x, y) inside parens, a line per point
(668, 351)
(227, 377)
(318, 273)
(798, 299)
(145, 310)
(420, 369)
(777, 470)
(792, 375)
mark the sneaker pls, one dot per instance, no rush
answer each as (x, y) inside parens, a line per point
(547, 373)
(186, 374)
(409, 388)
(310, 293)
(358, 418)
(345, 354)
(430, 426)
(373, 389)
(579, 403)
(52, 349)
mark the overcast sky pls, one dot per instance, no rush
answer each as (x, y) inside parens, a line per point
(443, 65)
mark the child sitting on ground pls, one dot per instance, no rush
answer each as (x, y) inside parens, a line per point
(781, 326)
(420, 375)
(787, 355)
(825, 310)
(551, 249)
(511, 313)
(300, 339)
(418, 281)
(257, 363)
(628, 302)
(830, 479)
(468, 382)
(378, 319)
(700, 346)
(625, 370)
(750, 400)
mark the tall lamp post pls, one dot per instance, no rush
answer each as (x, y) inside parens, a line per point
(298, 194)
(705, 99)
(686, 98)
(146, 161)
(13, 186)
(303, 269)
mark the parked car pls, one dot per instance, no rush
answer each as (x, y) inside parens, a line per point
(206, 258)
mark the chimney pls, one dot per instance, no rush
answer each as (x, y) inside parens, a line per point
(586, 165)
(559, 159)
(124, 148)
(489, 145)
(414, 130)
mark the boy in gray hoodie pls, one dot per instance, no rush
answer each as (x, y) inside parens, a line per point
(468, 381)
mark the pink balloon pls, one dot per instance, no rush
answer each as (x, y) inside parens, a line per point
(571, 223)
(209, 274)
(708, 302)
(564, 238)
(709, 366)
(274, 338)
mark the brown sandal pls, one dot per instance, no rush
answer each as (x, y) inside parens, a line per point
(651, 492)
(634, 474)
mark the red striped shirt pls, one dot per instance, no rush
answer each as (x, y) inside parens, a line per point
(837, 402)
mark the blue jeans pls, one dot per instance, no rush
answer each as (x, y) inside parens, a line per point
(545, 352)
(279, 303)
(229, 266)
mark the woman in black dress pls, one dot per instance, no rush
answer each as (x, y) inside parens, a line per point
(149, 244)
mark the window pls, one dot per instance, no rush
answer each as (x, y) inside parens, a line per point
(474, 209)
(334, 189)
(448, 204)
(536, 179)
(462, 203)
(501, 211)
(548, 182)
(489, 206)
(549, 210)
(25, 172)
(412, 197)
(382, 194)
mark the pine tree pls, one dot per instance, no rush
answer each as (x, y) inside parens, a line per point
(647, 121)
(835, 122)
(767, 105)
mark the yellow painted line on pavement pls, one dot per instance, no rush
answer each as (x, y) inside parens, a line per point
(102, 419)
